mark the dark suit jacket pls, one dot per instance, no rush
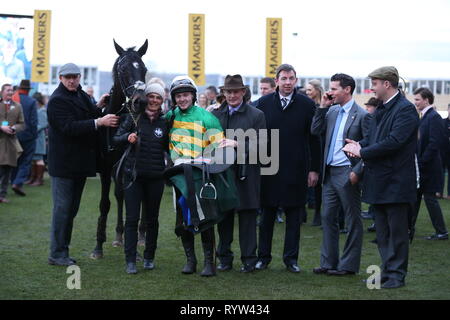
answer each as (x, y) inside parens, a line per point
(431, 139)
(72, 137)
(389, 154)
(247, 117)
(356, 128)
(30, 115)
(446, 146)
(299, 151)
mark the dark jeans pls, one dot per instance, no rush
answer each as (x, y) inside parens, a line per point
(66, 195)
(391, 221)
(147, 192)
(5, 174)
(22, 171)
(247, 237)
(291, 238)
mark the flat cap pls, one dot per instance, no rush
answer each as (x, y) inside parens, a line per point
(69, 68)
(389, 73)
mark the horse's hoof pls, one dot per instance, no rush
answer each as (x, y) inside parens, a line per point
(117, 243)
(139, 257)
(96, 255)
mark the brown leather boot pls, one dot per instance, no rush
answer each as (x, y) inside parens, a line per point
(32, 177)
(39, 178)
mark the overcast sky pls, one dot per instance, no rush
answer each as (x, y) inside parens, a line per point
(347, 36)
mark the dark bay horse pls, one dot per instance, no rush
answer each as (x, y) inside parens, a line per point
(126, 96)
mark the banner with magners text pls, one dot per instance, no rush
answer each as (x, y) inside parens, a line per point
(196, 63)
(273, 45)
(41, 46)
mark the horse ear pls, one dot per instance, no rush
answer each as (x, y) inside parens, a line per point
(142, 50)
(119, 49)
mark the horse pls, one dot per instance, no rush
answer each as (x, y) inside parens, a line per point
(126, 96)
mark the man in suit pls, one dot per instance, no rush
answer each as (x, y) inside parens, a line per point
(290, 114)
(11, 122)
(431, 139)
(340, 118)
(389, 172)
(446, 151)
(27, 138)
(90, 92)
(73, 123)
(234, 114)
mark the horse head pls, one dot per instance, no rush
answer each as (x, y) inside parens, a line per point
(129, 76)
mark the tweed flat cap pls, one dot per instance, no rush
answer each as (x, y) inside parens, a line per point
(69, 68)
(389, 73)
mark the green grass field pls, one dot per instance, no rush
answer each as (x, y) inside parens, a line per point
(25, 274)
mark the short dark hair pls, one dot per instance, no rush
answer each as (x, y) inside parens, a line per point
(425, 93)
(268, 80)
(213, 89)
(285, 67)
(6, 85)
(345, 81)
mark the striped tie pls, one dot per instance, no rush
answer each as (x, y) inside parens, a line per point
(284, 102)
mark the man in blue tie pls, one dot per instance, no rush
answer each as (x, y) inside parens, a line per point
(340, 117)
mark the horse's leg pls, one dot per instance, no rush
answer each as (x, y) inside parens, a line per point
(118, 193)
(104, 207)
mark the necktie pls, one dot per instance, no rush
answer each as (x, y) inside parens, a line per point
(334, 137)
(284, 102)
(7, 104)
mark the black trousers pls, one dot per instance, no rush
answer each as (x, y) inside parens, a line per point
(391, 221)
(434, 210)
(247, 237)
(291, 238)
(148, 193)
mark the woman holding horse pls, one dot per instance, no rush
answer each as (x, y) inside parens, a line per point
(141, 174)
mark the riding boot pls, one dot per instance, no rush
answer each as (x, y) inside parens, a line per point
(32, 177)
(39, 178)
(191, 261)
(209, 269)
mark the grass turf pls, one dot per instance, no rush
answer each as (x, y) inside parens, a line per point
(25, 274)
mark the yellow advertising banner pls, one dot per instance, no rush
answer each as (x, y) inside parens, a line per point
(196, 62)
(273, 45)
(41, 46)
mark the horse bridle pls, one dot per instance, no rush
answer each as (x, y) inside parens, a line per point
(138, 85)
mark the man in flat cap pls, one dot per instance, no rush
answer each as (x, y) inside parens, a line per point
(390, 174)
(72, 139)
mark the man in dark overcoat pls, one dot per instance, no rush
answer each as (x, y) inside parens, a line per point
(290, 114)
(389, 172)
(73, 123)
(27, 138)
(431, 138)
(239, 119)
